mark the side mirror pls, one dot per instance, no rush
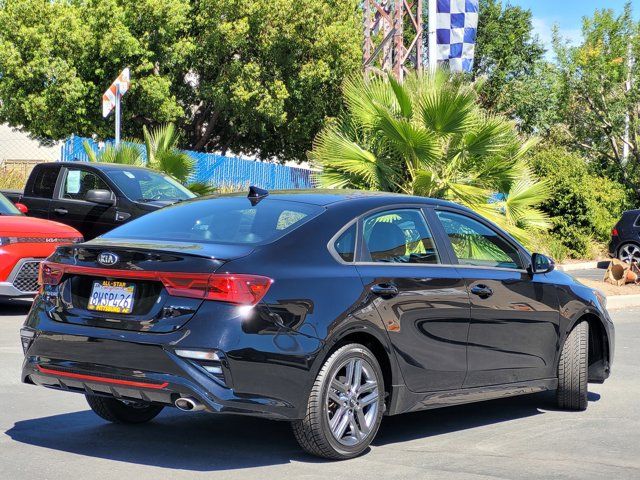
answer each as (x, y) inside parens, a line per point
(541, 263)
(22, 207)
(103, 197)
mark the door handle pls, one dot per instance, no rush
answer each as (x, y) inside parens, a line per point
(482, 291)
(61, 211)
(385, 290)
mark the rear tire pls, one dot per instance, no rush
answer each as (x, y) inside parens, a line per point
(117, 411)
(573, 369)
(345, 406)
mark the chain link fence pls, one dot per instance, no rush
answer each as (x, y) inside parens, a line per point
(20, 152)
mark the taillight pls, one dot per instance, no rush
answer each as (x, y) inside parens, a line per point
(237, 288)
(50, 273)
(240, 289)
(614, 232)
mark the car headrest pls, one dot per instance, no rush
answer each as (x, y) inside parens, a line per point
(386, 240)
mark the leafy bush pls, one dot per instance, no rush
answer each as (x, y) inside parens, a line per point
(583, 206)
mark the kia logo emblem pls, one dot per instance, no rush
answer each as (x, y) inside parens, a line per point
(108, 258)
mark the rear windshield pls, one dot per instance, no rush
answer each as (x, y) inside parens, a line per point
(231, 220)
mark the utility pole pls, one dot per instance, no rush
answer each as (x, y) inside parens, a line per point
(393, 36)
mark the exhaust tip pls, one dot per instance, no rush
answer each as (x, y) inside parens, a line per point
(187, 404)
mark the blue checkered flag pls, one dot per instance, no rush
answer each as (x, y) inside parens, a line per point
(456, 27)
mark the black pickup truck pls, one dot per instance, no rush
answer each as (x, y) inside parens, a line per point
(95, 197)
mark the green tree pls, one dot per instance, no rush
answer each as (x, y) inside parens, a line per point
(600, 90)
(506, 51)
(429, 137)
(256, 77)
(583, 206)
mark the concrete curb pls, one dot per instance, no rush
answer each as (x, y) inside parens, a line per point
(568, 267)
(618, 302)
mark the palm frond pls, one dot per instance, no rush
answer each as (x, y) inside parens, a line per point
(91, 154)
(446, 110)
(175, 163)
(201, 188)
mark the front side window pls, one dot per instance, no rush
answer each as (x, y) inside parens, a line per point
(399, 236)
(476, 244)
(78, 183)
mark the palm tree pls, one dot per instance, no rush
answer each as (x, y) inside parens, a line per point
(162, 154)
(428, 137)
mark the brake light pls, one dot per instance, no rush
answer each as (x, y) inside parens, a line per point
(239, 289)
(50, 273)
(614, 232)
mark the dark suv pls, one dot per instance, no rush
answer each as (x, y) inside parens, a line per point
(325, 309)
(625, 237)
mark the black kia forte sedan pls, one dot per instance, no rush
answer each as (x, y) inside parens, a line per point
(328, 309)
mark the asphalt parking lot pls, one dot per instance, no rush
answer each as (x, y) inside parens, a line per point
(46, 434)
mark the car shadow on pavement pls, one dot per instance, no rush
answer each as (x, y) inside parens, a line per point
(204, 442)
(18, 306)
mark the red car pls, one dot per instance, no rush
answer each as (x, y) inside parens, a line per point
(24, 243)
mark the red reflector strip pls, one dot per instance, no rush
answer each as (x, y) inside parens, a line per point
(93, 378)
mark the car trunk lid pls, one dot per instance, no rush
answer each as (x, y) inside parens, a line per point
(158, 287)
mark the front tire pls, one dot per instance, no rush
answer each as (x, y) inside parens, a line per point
(573, 369)
(117, 411)
(345, 406)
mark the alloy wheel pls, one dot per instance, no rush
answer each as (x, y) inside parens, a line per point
(352, 401)
(629, 253)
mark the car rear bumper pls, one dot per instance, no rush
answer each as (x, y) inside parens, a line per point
(260, 374)
(165, 377)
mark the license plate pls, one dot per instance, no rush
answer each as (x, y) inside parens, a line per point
(112, 297)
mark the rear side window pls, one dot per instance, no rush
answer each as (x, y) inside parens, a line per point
(228, 220)
(399, 236)
(345, 245)
(45, 182)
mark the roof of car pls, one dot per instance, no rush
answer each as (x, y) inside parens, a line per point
(100, 165)
(325, 197)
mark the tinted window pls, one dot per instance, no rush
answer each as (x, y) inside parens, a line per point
(345, 245)
(45, 182)
(146, 185)
(399, 236)
(78, 182)
(220, 220)
(6, 207)
(475, 244)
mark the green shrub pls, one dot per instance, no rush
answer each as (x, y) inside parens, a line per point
(583, 206)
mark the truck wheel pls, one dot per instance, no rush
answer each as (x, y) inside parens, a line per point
(345, 406)
(573, 369)
(118, 411)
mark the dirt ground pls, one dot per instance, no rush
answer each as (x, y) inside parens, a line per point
(611, 290)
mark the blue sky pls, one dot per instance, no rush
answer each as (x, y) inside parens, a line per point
(566, 13)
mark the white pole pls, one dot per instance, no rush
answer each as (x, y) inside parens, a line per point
(118, 96)
(433, 62)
